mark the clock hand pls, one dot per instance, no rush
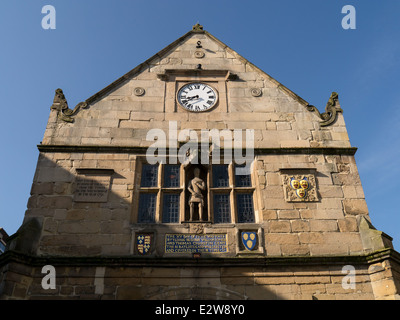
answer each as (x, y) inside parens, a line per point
(191, 98)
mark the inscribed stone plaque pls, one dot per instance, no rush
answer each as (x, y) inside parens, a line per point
(92, 188)
(189, 243)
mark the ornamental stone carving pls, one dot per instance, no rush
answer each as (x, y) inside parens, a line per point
(138, 91)
(61, 105)
(256, 92)
(300, 187)
(331, 110)
(199, 54)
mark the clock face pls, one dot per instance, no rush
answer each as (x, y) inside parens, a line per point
(197, 97)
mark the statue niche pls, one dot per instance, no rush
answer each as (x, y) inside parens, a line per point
(197, 195)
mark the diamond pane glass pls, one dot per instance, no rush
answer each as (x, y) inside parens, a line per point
(242, 180)
(171, 176)
(149, 175)
(170, 208)
(222, 208)
(245, 208)
(147, 207)
(220, 176)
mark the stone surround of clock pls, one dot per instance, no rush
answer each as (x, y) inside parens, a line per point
(197, 96)
(176, 79)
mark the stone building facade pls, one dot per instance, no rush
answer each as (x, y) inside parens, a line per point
(198, 176)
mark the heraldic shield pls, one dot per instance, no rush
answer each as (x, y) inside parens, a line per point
(143, 242)
(249, 240)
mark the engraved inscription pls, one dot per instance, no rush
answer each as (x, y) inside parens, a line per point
(92, 189)
(189, 243)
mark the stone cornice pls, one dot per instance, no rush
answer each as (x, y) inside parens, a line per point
(135, 261)
(142, 150)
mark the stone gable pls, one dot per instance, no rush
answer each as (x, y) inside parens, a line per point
(145, 98)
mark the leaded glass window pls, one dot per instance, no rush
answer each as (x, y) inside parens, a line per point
(245, 208)
(222, 210)
(161, 194)
(149, 175)
(147, 207)
(242, 180)
(171, 176)
(220, 176)
(170, 212)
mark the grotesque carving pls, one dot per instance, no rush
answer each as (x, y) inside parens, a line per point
(60, 103)
(331, 110)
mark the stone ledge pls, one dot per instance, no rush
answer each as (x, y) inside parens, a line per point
(135, 261)
(142, 150)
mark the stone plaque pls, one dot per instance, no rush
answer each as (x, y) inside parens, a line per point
(190, 243)
(92, 187)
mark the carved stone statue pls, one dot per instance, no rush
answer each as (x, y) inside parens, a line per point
(196, 186)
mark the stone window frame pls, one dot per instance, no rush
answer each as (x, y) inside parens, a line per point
(233, 191)
(160, 190)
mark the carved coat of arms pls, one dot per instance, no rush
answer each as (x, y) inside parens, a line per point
(249, 239)
(143, 243)
(300, 187)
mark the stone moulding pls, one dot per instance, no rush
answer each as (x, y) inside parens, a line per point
(61, 105)
(142, 261)
(142, 150)
(170, 73)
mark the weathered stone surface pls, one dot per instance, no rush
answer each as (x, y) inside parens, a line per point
(355, 206)
(98, 222)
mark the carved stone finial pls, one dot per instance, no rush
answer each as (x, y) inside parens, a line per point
(61, 105)
(197, 27)
(59, 101)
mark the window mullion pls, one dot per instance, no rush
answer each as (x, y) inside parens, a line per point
(158, 218)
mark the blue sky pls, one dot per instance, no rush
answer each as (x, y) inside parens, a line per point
(300, 43)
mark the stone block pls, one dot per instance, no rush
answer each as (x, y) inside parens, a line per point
(279, 226)
(282, 238)
(288, 214)
(355, 206)
(300, 226)
(295, 250)
(311, 237)
(330, 191)
(273, 179)
(74, 227)
(269, 215)
(44, 188)
(348, 224)
(323, 225)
